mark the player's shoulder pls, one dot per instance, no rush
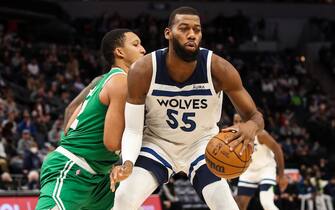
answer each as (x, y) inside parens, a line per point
(140, 72)
(224, 74)
(114, 82)
(219, 62)
(142, 65)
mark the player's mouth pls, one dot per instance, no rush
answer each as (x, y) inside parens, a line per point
(191, 45)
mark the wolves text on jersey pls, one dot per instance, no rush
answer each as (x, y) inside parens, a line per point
(184, 103)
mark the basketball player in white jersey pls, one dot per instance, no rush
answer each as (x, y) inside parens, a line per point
(178, 90)
(261, 172)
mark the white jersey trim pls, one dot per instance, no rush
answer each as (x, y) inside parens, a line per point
(78, 160)
(154, 72)
(246, 184)
(209, 72)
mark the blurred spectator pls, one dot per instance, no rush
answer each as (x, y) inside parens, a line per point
(11, 117)
(27, 124)
(42, 124)
(72, 68)
(31, 165)
(330, 189)
(306, 193)
(5, 181)
(10, 104)
(322, 201)
(2, 110)
(33, 67)
(3, 155)
(25, 142)
(56, 132)
(11, 139)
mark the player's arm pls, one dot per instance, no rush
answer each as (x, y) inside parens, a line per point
(77, 101)
(114, 94)
(227, 78)
(265, 138)
(139, 77)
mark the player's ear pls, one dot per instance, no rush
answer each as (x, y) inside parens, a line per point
(119, 52)
(167, 33)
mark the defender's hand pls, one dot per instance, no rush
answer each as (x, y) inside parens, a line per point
(282, 182)
(244, 132)
(120, 173)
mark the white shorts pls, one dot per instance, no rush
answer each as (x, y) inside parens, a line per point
(175, 157)
(254, 178)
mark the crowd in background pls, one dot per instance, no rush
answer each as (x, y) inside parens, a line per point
(38, 78)
(326, 57)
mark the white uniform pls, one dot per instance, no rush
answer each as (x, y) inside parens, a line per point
(180, 119)
(262, 169)
(190, 112)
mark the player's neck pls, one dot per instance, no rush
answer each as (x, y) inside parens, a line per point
(179, 69)
(121, 65)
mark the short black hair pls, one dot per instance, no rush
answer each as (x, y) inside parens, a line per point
(182, 11)
(113, 39)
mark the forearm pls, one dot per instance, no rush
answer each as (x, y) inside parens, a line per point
(279, 157)
(133, 133)
(257, 120)
(67, 114)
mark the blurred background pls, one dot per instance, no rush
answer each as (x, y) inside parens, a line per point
(283, 49)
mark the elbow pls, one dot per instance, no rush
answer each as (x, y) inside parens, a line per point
(113, 146)
(66, 111)
(262, 124)
(70, 107)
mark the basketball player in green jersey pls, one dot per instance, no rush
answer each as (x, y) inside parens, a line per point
(76, 174)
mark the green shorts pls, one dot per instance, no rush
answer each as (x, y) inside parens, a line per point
(69, 187)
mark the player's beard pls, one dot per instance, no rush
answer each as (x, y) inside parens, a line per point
(182, 53)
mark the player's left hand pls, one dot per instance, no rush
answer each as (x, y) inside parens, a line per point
(245, 132)
(120, 173)
(282, 182)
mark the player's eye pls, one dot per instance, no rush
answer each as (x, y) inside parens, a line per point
(197, 30)
(183, 29)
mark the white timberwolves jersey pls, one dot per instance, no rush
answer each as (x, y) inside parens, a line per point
(182, 113)
(261, 157)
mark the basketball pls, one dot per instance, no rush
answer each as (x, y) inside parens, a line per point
(225, 163)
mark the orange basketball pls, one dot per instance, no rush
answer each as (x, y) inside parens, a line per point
(225, 163)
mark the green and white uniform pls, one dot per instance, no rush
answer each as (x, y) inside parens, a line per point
(76, 175)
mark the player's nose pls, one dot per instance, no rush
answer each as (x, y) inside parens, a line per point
(191, 35)
(142, 50)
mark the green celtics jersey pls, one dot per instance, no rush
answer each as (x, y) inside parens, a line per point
(85, 135)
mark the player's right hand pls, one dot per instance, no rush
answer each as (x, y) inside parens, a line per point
(244, 133)
(282, 182)
(120, 173)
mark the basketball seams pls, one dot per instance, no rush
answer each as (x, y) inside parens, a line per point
(229, 174)
(207, 152)
(217, 153)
